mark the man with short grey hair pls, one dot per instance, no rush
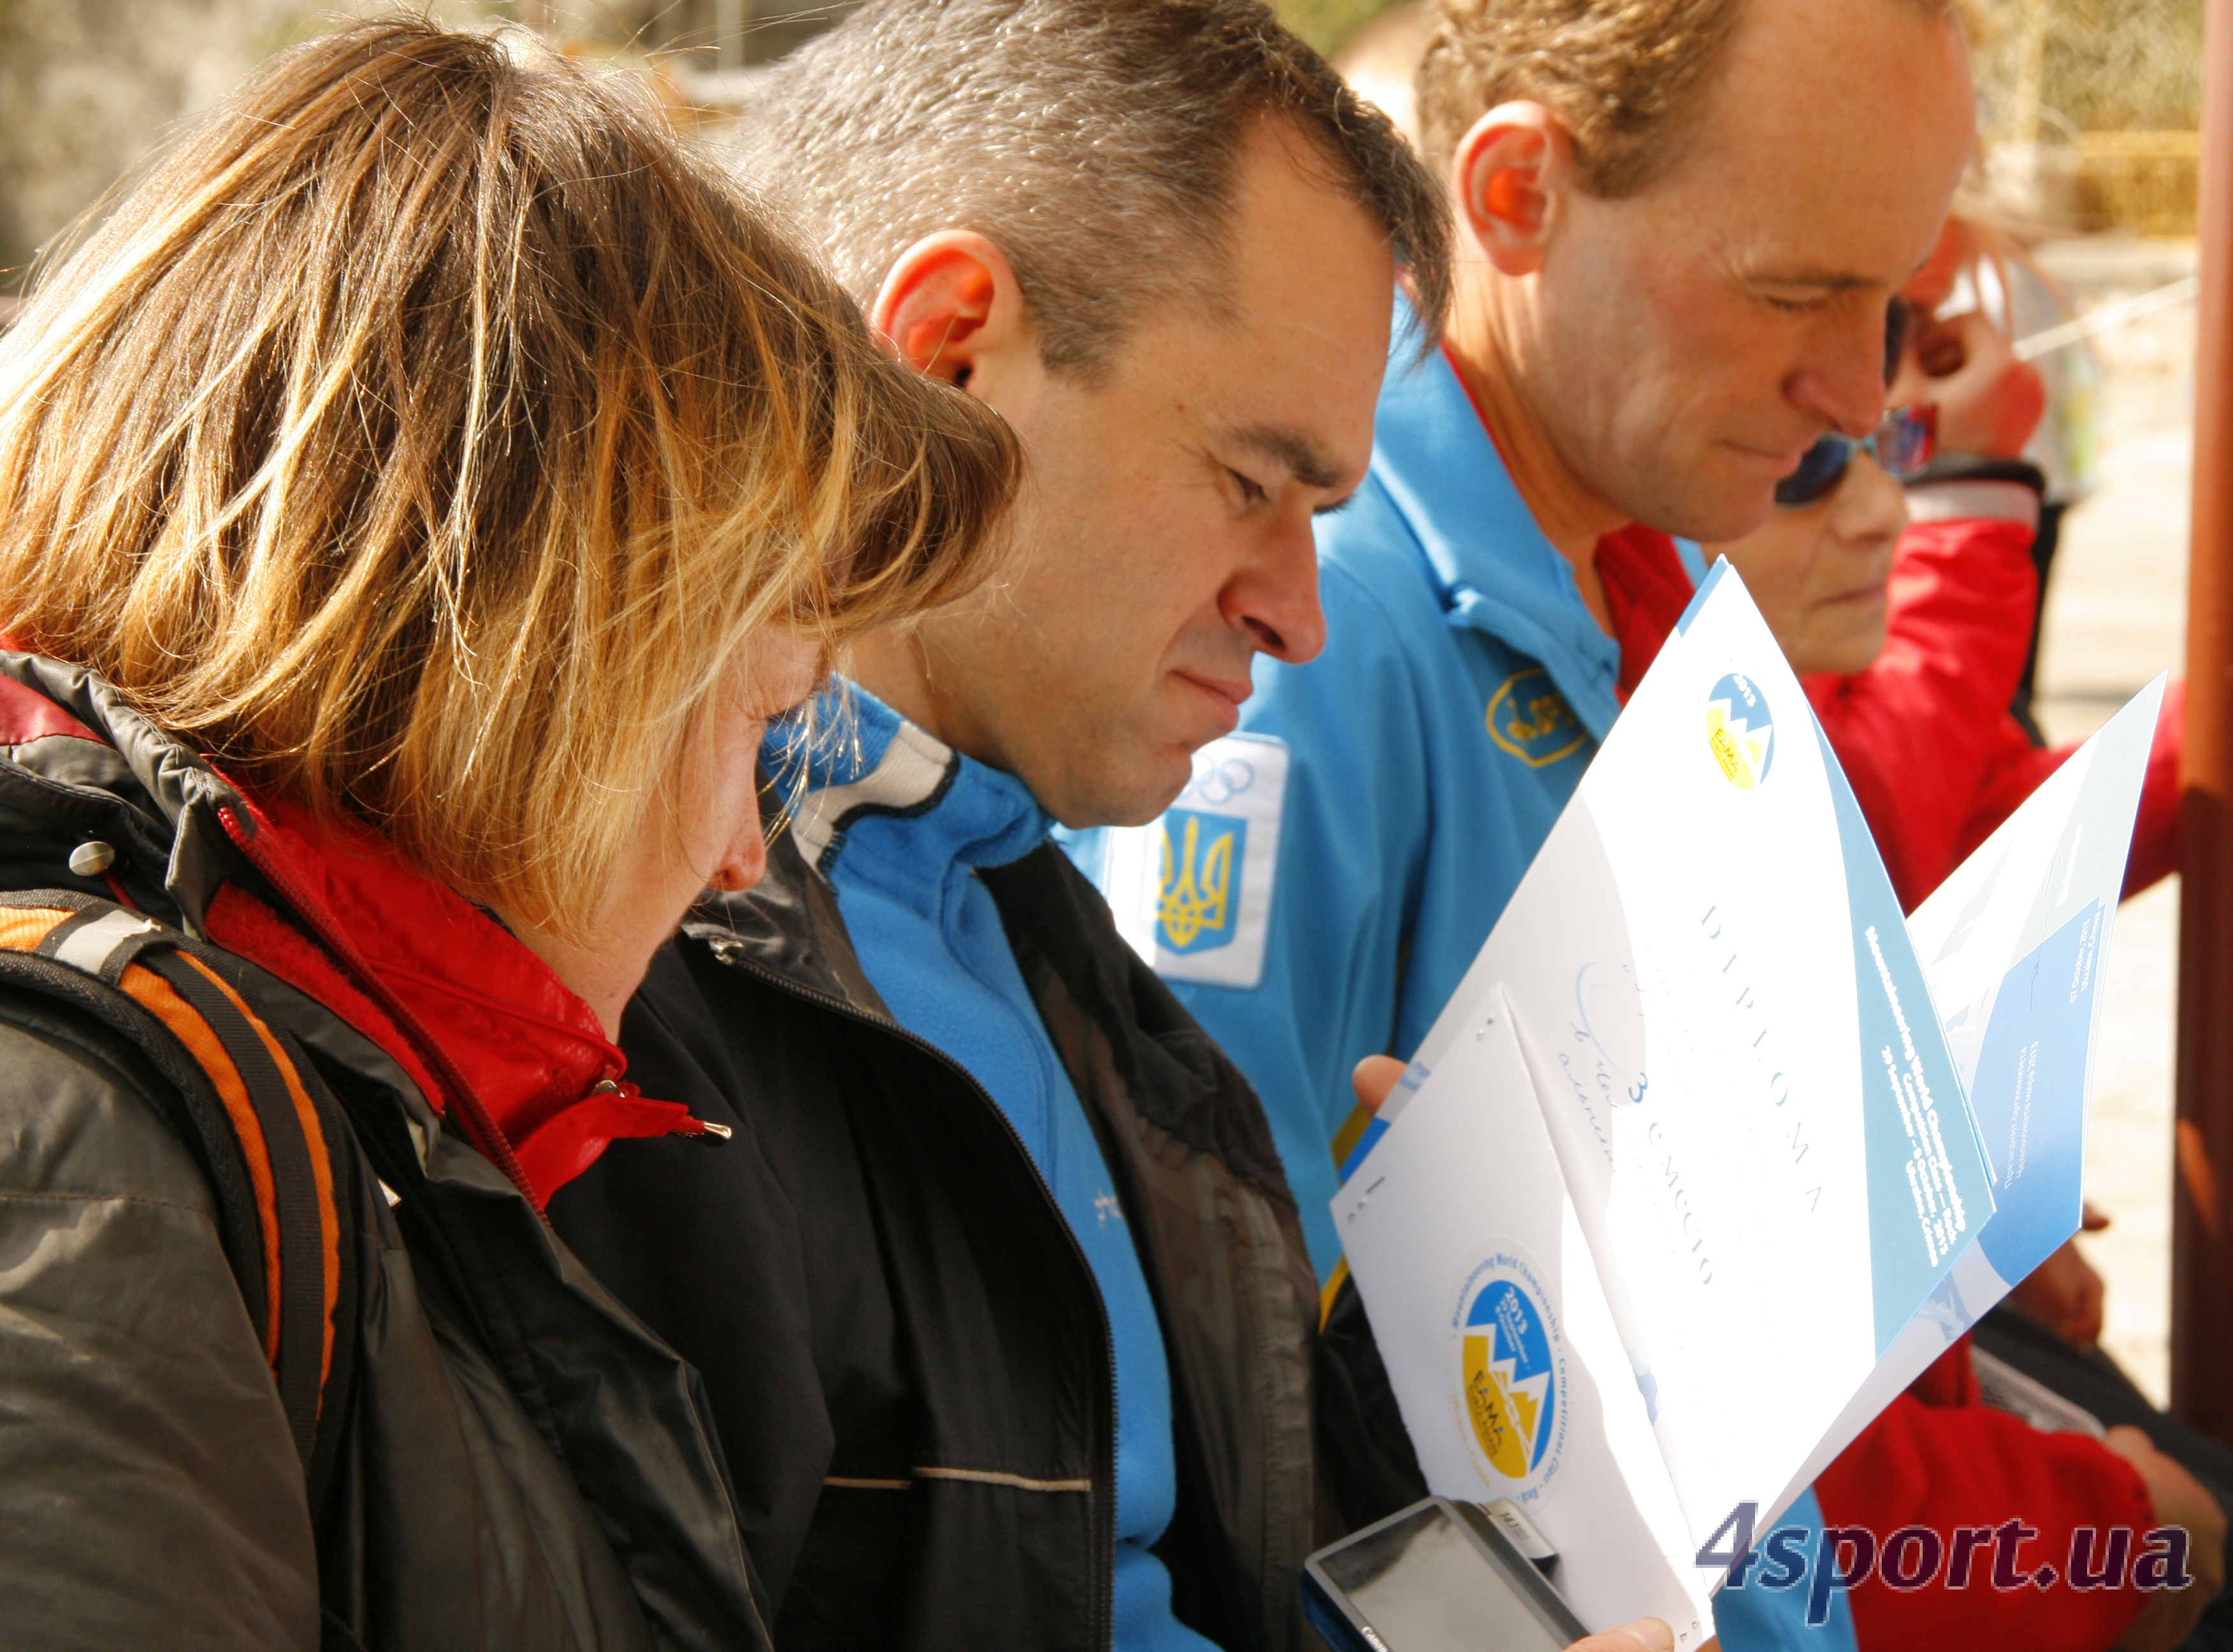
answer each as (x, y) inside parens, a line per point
(1055, 194)
(999, 1294)
(1097, 146)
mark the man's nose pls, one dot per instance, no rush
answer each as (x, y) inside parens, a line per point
(1843, 380)
(1273, 598)
(1871, 505)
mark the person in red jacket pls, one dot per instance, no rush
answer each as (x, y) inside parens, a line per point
(1939, 1459)
(1913, 677)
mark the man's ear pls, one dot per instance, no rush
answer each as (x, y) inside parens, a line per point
(1507, 176)
(951, 308)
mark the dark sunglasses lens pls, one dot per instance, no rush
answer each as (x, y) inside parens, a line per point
(1820, 471)
(1908, 441)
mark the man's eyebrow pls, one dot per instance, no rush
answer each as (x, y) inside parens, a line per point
(1840, 281)
(1304, 458)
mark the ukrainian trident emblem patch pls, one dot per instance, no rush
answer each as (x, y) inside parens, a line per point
(1192, 891)
(1197, 905)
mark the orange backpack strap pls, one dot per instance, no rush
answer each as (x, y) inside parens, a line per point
(269, 1137)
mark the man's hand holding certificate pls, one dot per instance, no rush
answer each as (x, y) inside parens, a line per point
(1686, 1182)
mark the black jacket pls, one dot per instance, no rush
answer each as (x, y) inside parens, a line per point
(905, 1348)
(519, 1462)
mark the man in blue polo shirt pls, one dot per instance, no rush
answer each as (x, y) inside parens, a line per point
(1680, 225)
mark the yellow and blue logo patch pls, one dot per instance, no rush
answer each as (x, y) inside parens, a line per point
(1192, 892)
(1529, 717)
(1198, 899)
(1512, 1367)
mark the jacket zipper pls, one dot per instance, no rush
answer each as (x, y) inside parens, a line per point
(1105, 1485)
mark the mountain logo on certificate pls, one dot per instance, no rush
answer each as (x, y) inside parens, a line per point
(1512, 1365)
(1740, 731)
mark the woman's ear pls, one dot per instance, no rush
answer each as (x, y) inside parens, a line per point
(1507, 177)
(950, 303)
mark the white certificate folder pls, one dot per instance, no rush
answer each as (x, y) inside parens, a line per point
(1687, 1178)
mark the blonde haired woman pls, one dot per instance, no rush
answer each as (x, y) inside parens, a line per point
(413, 500)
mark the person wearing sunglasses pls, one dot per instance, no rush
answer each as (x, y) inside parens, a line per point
(1821, 566)
(1908, 610)
(1902, 447)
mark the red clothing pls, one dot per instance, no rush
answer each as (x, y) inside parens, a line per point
(1924, 734)
(1646, 589)
(448, 992)
(1938, 1457)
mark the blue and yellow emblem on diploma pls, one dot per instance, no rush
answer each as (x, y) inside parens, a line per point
(1512, 1364)
(1739, 730)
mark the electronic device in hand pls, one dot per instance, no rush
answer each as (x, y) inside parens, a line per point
(1438, 1576)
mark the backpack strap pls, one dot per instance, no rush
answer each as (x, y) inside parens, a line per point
(256, 1114)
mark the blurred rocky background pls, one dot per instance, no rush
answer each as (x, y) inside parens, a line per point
(87, 87)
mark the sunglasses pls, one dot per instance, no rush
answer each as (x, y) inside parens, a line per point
(1904, 444)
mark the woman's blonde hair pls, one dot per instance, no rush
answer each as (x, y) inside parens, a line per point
(427, 432)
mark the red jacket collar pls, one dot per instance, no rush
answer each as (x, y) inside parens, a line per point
(1646, 589)
(531, 1052)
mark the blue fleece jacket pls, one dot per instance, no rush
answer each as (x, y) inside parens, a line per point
(899, 824)
(1319, 889)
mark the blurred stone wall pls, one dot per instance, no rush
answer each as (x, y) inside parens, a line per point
(88, 87)
(2092, 111)
(760, 30)
(2052, 69)
(1327, 24)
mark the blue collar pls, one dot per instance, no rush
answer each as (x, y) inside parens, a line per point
(1493, 570)
(855, 757)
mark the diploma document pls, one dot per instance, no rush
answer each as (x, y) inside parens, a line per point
(1713, 1151)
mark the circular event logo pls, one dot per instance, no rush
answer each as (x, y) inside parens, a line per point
(1740, 731)
(1512, 1363)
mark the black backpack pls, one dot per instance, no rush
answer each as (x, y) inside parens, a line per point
(278, 1153)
